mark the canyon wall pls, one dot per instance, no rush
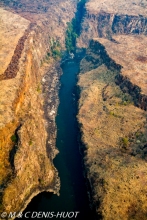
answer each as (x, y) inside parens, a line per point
(112, 107)
(105, 18)
(28, 102)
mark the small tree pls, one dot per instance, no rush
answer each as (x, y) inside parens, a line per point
(125, 141)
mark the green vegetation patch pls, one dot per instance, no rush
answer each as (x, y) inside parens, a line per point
(30, 143)
(71, 36)
(74, 27)
(125, 141)
(14, 138)
(55, 49)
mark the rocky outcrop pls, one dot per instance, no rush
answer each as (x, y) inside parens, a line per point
(27, 103)
(127, 24)
(139, 99)
(13, 66)
(109, 24)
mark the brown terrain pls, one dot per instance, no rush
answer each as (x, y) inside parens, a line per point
(112, 107)
(30, 31)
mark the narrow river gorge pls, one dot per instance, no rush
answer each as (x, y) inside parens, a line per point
(73, 134)
(73, 192)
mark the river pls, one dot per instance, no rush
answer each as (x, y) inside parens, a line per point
(73, 193)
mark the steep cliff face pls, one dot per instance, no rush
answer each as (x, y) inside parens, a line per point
(132, 77)
(25, 165)
(27, 141)
(105, 18)
(125, 84)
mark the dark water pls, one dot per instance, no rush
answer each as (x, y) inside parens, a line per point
(73, 193)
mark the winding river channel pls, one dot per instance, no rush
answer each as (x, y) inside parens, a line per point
(73, 193)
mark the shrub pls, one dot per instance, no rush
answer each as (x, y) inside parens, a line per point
(56, 53)
(14, 138)
(70, 39)
(38, 88)
(125, 141)
(30, 142)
